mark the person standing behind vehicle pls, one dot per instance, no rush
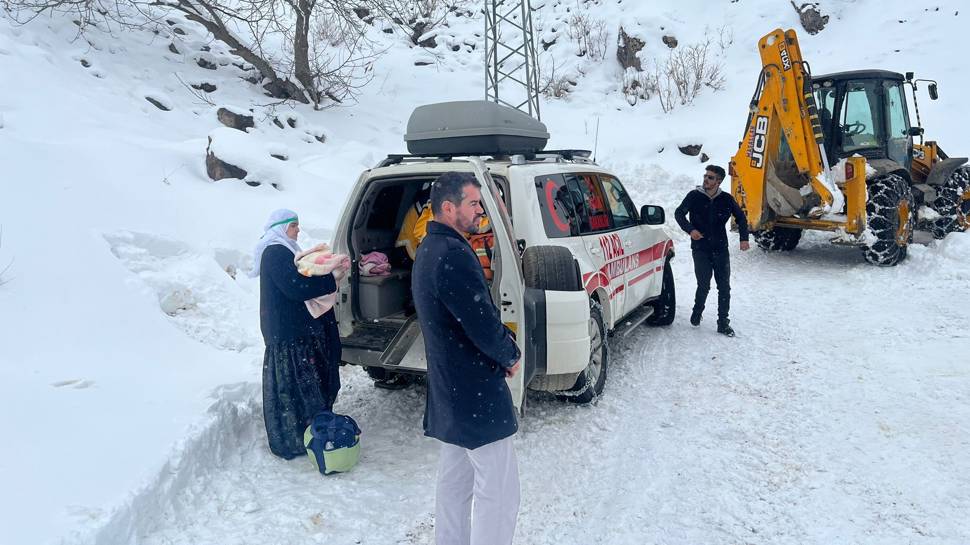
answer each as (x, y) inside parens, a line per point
(301, 362)
(470, 353)
(709, 209)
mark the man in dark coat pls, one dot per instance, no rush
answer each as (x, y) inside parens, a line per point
(709, 209)
(470, 353)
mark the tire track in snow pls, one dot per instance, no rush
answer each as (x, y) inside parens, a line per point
(809, 427)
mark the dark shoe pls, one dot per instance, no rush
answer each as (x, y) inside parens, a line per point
(695, 318)
(725, 329)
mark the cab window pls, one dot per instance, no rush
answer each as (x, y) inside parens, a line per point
(862, 116)
(900, 142)
(621, 206)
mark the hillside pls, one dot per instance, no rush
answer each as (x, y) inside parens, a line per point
(131, 352)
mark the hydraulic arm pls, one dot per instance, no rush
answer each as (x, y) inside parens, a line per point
(781, 165)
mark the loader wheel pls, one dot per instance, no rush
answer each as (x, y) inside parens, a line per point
(950, 206)
(779, 239)
(589, 385)
(891, 220)
(550, 268)
(665, 307)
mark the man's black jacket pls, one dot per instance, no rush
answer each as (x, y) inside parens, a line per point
(468, 347)
(709, 215)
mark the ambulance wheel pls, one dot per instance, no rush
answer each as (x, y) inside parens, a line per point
(891, 219)
(665, 307)
(589, 385)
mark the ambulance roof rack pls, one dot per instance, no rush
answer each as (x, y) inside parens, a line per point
(556, 156)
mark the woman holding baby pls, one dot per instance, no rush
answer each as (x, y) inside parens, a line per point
(300, 365)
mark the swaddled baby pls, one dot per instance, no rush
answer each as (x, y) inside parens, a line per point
(318, 261)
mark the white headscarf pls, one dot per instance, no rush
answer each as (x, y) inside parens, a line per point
(275, 233)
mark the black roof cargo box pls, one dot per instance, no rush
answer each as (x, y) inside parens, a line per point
(473, 127)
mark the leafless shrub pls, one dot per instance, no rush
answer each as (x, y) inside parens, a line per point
(590, 35)
(553, 83)
(685, 73)
(725, 38)
(638, 86)
(417, 17)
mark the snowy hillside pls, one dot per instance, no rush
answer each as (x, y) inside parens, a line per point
(131, 353)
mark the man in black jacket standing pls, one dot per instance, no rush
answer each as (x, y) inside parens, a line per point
(470, 353)
(709, 209)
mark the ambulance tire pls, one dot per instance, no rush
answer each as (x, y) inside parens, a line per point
(551, 268)
(591, 381)
(665, 307)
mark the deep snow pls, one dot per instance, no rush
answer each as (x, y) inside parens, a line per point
(131, 350)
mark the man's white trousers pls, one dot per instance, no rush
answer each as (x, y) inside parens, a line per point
(477, 500)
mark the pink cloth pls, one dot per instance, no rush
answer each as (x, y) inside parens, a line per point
(374, 264)
(319, 261)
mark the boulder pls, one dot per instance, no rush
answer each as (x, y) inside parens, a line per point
(691, 149)
(812, 19)
(234, 120)
(627, 49)
(158, 104)
(217, 169)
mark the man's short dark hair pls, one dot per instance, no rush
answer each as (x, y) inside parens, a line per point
(718, 171)
(449, 187)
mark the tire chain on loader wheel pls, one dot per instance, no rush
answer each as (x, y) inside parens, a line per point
(588, 387)
(888, 238)
(950, 206)
(665, 307)
(778, 239)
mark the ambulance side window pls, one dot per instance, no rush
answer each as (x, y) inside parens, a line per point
(621, 206)
(592, 209)
(560, 213)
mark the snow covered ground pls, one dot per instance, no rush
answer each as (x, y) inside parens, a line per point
(129, 371)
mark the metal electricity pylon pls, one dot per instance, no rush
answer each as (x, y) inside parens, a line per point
(512, 75)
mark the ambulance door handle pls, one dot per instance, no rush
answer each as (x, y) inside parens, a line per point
(628, 243)
(594, 250)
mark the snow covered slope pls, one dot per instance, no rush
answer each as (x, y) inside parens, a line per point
(131, 352)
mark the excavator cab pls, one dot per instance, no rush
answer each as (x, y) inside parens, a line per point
(864, 112)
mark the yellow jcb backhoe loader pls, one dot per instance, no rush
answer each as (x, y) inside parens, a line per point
(836, 153)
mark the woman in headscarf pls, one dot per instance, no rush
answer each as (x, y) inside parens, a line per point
(300, 366)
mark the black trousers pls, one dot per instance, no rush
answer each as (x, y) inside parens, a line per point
(717, 263)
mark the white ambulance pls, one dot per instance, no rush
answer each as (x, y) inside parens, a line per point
(574, 262)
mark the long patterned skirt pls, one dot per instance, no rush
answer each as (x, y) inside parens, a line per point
(300, 379)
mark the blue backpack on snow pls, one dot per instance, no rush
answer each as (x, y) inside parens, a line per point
(332, 442)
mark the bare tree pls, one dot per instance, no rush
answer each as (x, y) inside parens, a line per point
(216, 17)
(85, 12)
(326, 53)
